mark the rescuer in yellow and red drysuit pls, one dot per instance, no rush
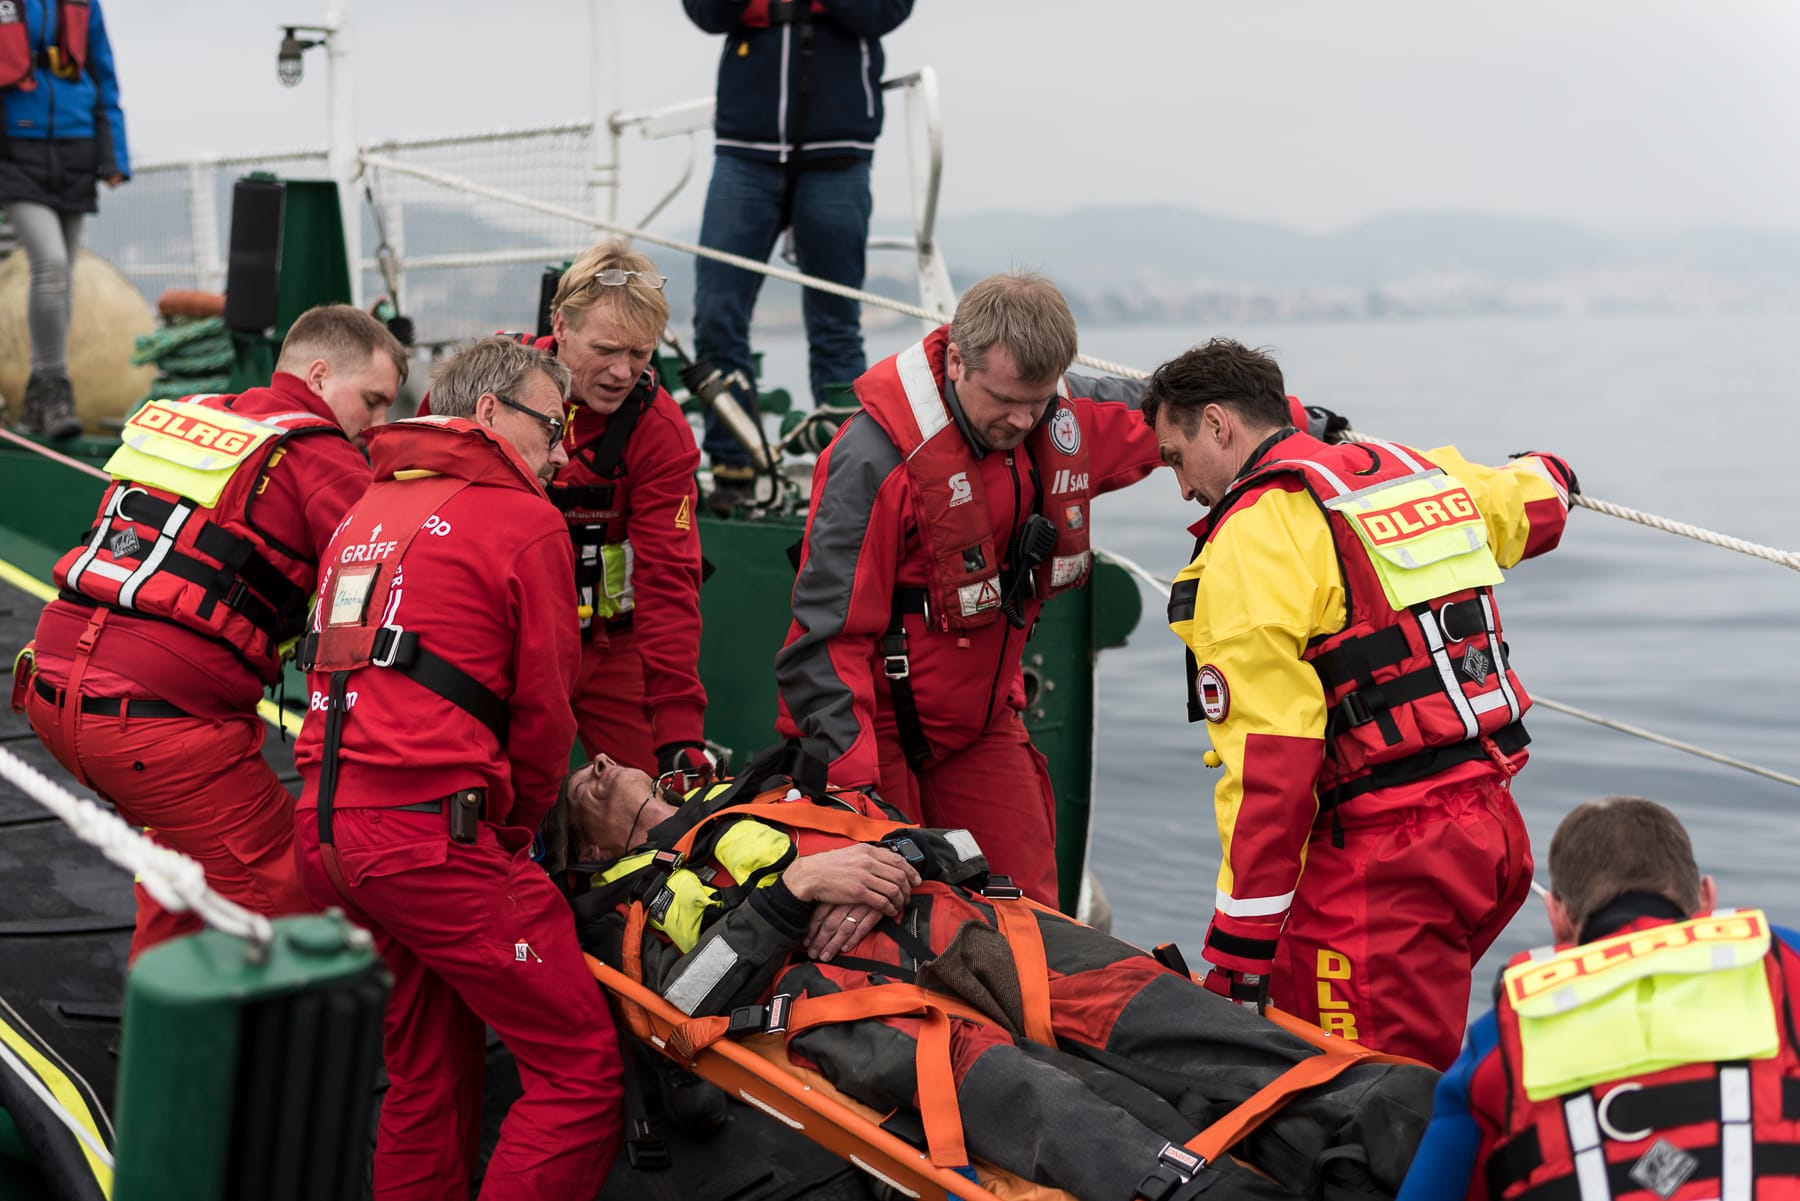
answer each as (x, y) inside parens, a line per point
(1347, 654)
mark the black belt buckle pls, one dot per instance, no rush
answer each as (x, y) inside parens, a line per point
(748, 1019)
(646, 1152)
(895, 664)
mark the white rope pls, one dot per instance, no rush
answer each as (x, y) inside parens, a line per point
(54, 1106)
(177, 882)
(1160, 585)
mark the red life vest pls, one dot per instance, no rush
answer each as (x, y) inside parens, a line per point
(1408, 692)
(758, 15)
(1665, 1134)
(66, 58)
(211, 568)
(905, 396)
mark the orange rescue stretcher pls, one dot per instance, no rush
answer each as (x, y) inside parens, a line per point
(754, 1067)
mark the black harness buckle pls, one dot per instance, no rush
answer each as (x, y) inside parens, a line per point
(386, 648)
(895, 663)
(748, 1019)
(1001, 888)
(644, 1150)
(1354, 710)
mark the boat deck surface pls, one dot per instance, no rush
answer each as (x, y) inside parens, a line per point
(65, 927)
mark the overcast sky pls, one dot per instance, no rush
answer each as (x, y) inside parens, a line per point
(1626, 115)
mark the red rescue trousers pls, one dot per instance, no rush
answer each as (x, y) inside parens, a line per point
(200, 787)
(475, 933)
(612, 713)
(997, 788)
(1385, 931)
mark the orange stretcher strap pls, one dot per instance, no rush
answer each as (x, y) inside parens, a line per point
(937, 1080)
(1018, 925)
(1267, 1101)
(802, 815)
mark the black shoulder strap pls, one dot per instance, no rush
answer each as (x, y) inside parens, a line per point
(602, 457)
(896, 664)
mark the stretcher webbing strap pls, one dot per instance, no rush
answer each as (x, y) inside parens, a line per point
(631, 961)
(1267, 1101)
(937, 1082)
(1018, 925)
(800, 815)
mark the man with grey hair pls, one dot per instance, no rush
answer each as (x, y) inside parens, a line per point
(942, 518)
(442, 653)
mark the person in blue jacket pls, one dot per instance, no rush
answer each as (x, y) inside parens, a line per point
(1656, 1034)
(798, 110)
(64, 132)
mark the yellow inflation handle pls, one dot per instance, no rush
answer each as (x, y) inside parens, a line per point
(1211, 758)
(584, 611)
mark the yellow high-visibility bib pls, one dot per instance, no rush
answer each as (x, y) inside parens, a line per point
(187, 448)
(1424, 535)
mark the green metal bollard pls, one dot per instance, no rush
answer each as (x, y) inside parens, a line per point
(244, 1078)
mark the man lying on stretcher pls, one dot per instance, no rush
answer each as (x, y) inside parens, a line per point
(1078, 1061)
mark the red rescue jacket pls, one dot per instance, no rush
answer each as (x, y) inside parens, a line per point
(1682, 1123)
(212, 568)
(866, 547)
(485, 588)
(964, 550)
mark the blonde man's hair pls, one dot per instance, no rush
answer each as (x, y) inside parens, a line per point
(341, 334)
(640, 308)
(495, 364)
(1023, 312)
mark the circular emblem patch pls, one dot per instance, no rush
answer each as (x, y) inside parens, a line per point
(1215, 696)
(1065, 431)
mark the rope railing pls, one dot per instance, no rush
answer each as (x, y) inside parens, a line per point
(177, 882)
(1161, 586)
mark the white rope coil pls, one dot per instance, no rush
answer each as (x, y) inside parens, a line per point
(177, 882)
(1161, 586)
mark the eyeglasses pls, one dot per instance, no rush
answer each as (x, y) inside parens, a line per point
(553, 425)
(615, 277)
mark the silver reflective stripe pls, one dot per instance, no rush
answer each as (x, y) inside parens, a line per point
(782, 101)
(1493, 633)
(1487, 702)
(108, 571)
(700, 975)
(102, 528)
(177, 518)
(868, 84)
(1399, 479)
(1736, 1172)
(1434, 639)
(964, 844)
(1340, 489)
(1252, 906)
(1584, 1141)
(921, 389)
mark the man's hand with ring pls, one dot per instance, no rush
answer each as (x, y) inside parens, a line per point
(837, 928)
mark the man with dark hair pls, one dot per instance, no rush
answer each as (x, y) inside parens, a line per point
(1650, 1050)
(1088, 1078)
(1344, 647)
(175, 609)
(441, 656)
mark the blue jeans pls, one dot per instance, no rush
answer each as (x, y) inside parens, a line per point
(831, 234)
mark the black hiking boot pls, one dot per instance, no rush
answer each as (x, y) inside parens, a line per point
(49, 408)
(693, 1106)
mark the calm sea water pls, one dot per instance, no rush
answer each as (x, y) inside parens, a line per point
(1688, 417)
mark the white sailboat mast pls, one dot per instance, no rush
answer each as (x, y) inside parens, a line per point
(603, 177)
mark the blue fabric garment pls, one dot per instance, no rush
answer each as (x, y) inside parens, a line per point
(831, 232)
(760, 72)
(1445, 1164)
(84, 107)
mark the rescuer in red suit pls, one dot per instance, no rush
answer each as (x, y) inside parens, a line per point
(628, 495)
(174, 606)
(916, 589)
(440, 661)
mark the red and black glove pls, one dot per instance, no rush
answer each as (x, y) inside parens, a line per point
(1240, 988)
(684, 765)
(1324, 424)
(1559, 469)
